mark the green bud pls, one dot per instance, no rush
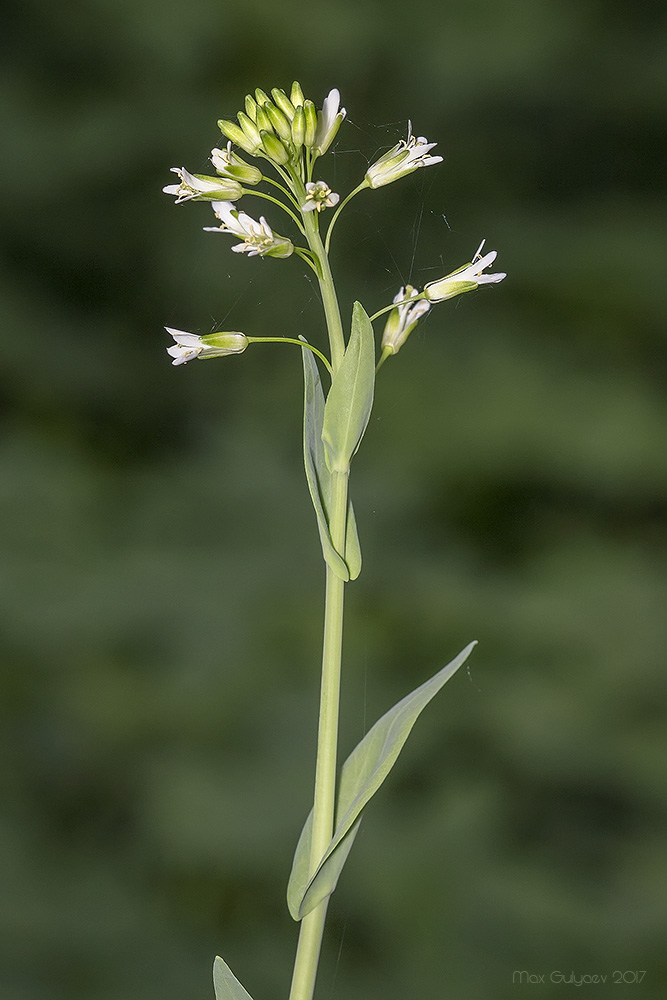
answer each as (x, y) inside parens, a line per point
(282, 101)
(224, 343)
(262, 120)
(279, 121)
(274, 148)
(297, 94)
(298, 127)
(237, 135)
(311, 123)
(251, 107)
(262, 98)
(250, 129)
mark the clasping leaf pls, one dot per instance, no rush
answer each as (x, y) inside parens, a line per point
(361, 776)
(350, 399)
(346, 565)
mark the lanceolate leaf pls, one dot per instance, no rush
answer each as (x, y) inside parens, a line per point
(350, 399)
(362, 774)
(225, 983)
(319, 476)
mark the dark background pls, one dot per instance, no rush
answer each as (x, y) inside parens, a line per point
(160, 579)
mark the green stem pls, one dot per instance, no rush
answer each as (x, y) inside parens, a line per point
(312, 925)
(327, 290)
(395, 305)
(290, 340)
(276, 201)
(340, 208)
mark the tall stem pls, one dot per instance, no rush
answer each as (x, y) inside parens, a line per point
(324, 804)
(312, 925)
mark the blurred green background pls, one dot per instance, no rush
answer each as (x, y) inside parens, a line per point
(160, 572)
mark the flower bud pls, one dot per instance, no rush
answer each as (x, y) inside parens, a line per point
(250, 129)
(251, 106)
(296, 94)
(232, 131)
(282, 101)
(311, 123)
(279, 121)
(262, 120)
(299, 127)
(328, 122)
(274, 148)
(261, 97)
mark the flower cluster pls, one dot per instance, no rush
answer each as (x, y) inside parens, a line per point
(289, 134)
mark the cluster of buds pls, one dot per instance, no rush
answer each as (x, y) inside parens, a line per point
(280, 128)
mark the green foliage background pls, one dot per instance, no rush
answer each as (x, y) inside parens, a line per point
(160, 577)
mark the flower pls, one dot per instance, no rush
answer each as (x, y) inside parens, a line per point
(228, 164)
(406, 156)
(320, 196)
(403, 319)
(199, 187)
(214, 345)
(257, 238)
(328, 122)
(464, 279)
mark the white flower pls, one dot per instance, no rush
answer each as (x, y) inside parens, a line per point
(320, 196)
(257, 238)
(403, 319)
(465, 279)
(202, 188)
(214, 345)
(229, 164)
(328, 122)
(406, 156)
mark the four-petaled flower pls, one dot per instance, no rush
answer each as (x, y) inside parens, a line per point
(198, 187)
(257, 238)
(328, 122)
(403, 319)
(229, 164)
(464, 279)
(320, 196)
(188, 346)
(401, 159)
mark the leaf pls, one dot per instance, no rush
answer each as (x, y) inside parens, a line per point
(298, 880)
(352, 547)
(319, 476)
(363, 772)
(350, 400)
(225, 983)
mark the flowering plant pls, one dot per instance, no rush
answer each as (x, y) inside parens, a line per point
(289, 135)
